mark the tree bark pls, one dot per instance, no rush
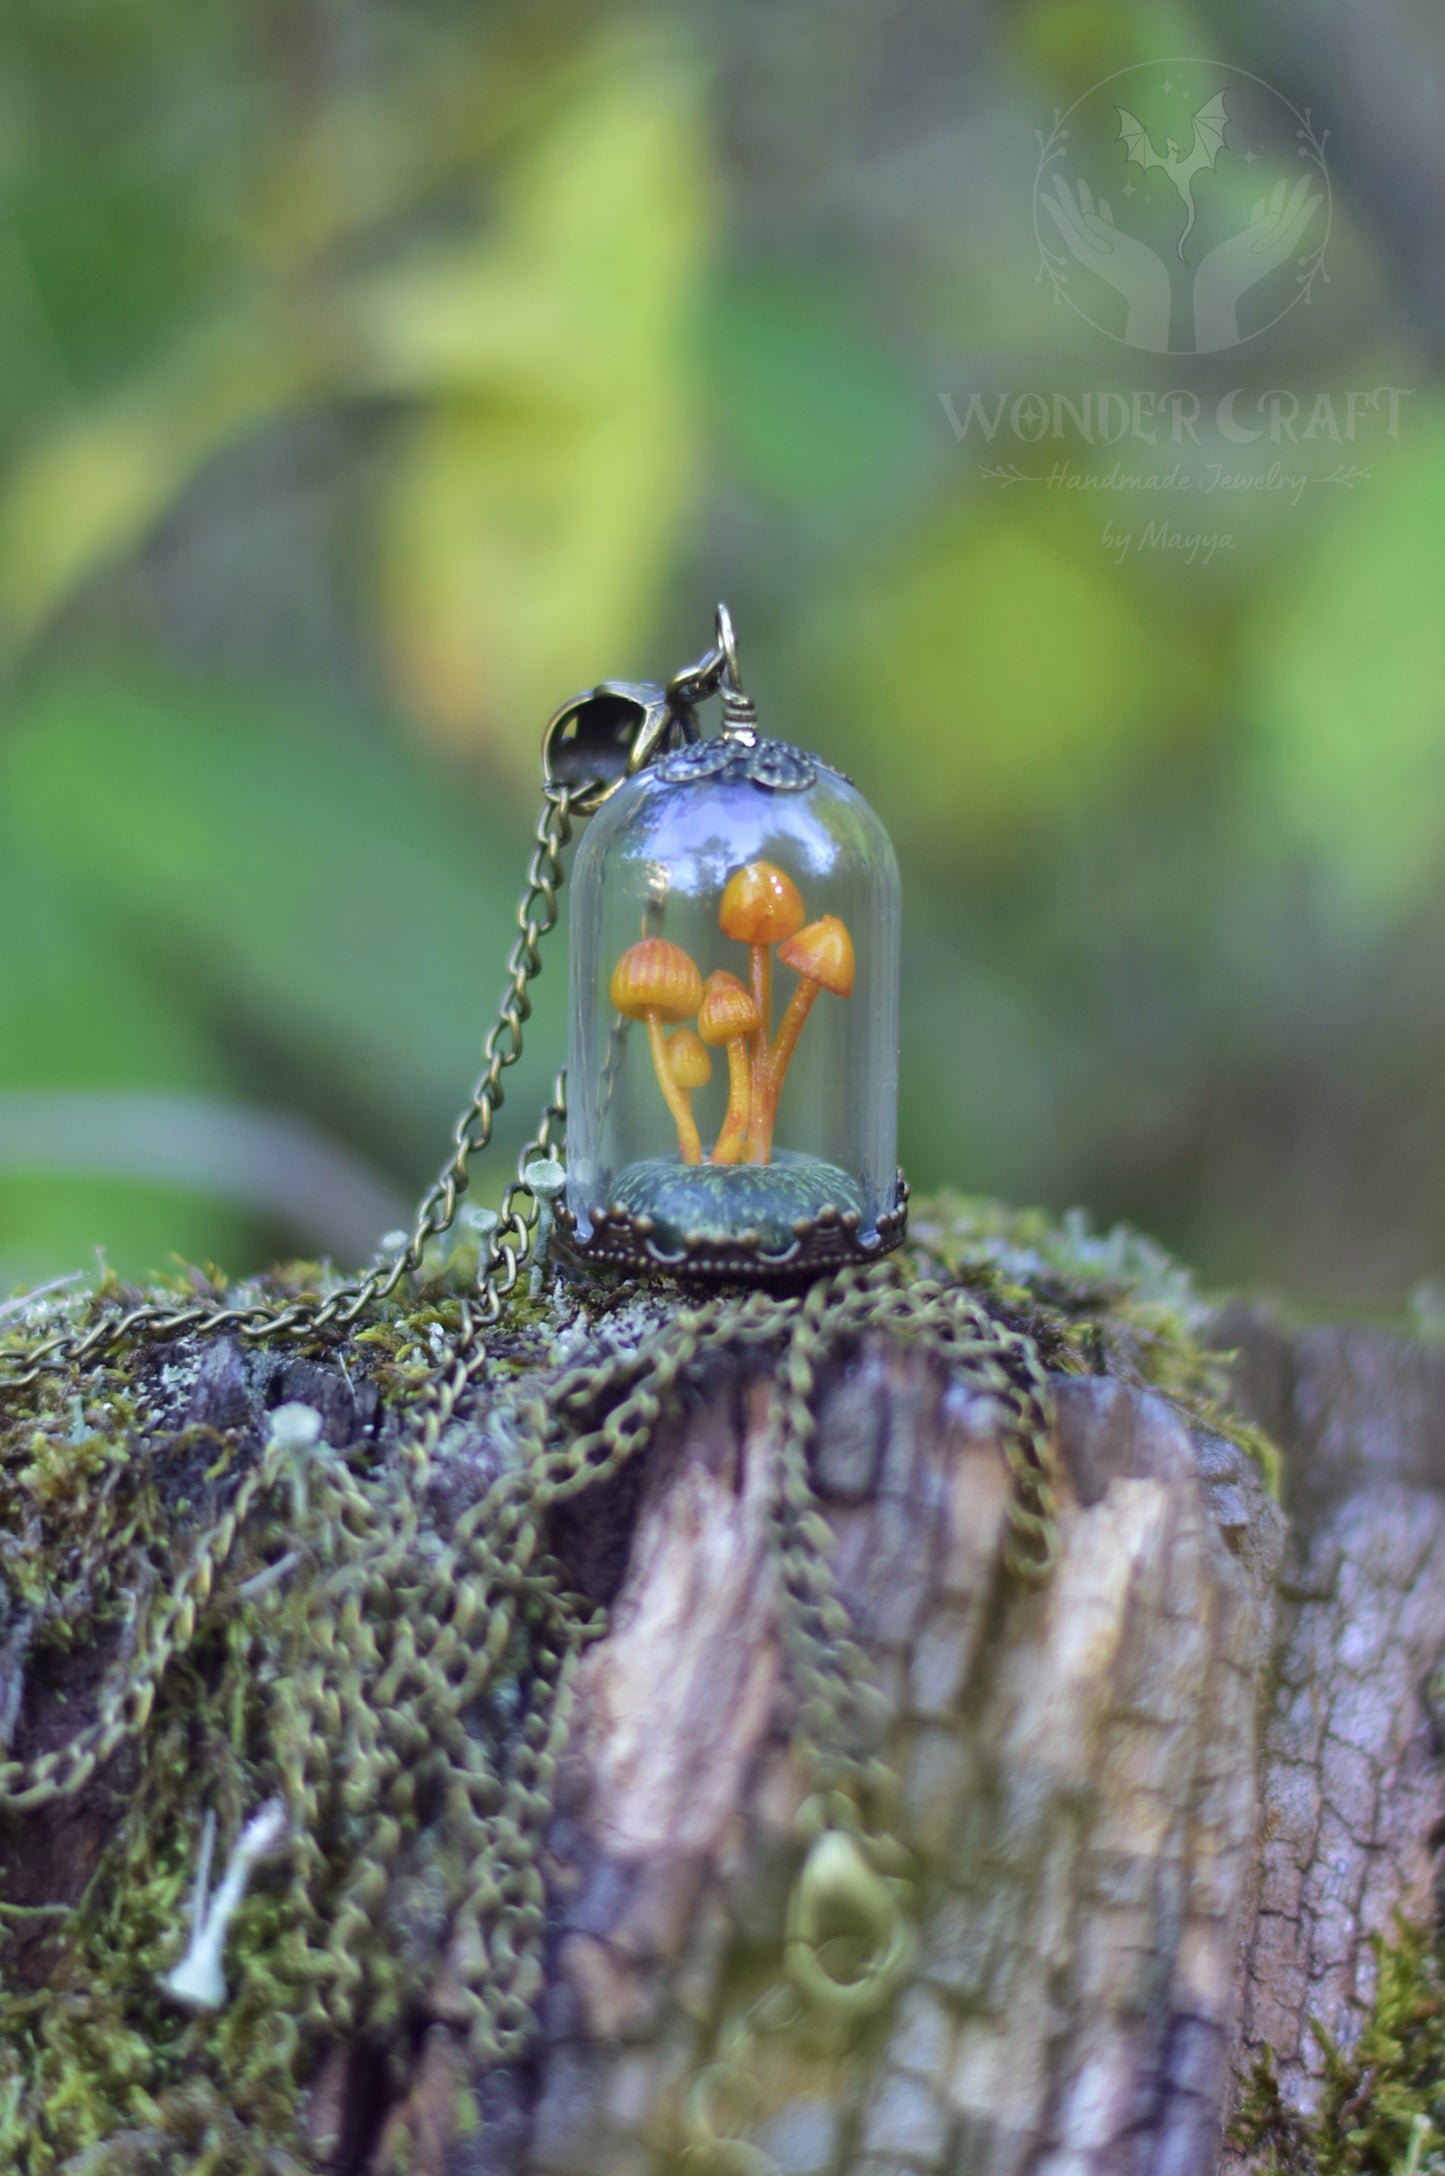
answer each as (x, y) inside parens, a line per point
(1352, 1789)
(1156, 1808)
(1079, 1770)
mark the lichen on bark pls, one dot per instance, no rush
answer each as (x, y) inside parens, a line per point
(1082, 1778)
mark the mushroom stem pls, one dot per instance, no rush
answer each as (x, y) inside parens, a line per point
(761, 976)
(821, 956)
(760, 907)
(729, 1146)
(198, 1980)
(800, 1004)
(678, 1101)
(546, 1181)
(762, 981)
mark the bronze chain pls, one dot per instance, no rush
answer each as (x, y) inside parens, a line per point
(343, 1307)
(413, 1673)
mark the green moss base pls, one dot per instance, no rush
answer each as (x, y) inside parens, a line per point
(722, 1201)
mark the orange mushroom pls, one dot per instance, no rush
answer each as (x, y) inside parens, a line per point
(655, 981)
(728, 1015)
(688, 1061)
(822, 958)
(760, 906)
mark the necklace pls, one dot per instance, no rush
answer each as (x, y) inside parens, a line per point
(402, 1676)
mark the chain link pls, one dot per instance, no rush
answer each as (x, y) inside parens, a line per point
(343, 1307)
(855, 1868)
(398, 1637)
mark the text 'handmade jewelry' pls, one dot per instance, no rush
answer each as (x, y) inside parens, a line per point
(733, 1052)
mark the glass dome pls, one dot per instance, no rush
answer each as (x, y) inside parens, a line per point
(733, 1055)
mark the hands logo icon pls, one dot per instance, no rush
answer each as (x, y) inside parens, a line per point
(1231, 129)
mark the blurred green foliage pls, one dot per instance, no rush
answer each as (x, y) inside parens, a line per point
(374, 376)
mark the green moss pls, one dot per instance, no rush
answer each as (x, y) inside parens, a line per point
(716, 1201)
(102, 1506)
(1382, 2105)
(1096, 1304)
(292, 1674)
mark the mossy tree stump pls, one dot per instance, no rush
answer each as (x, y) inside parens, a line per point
(1156, 1808)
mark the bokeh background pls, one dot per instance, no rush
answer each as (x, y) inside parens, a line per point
(373, 373)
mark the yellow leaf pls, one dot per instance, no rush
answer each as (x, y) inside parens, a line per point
(533, 509)
(90, 490)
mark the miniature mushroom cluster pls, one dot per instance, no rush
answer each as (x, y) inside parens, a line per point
(656, 982)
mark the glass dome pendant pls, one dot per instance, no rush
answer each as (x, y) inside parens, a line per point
(733, 1042)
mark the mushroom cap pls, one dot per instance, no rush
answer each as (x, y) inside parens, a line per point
(654, 975)
(687, 1059)
(822, 953)
(727, 1010)
(760, 904)
(545, 1178)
